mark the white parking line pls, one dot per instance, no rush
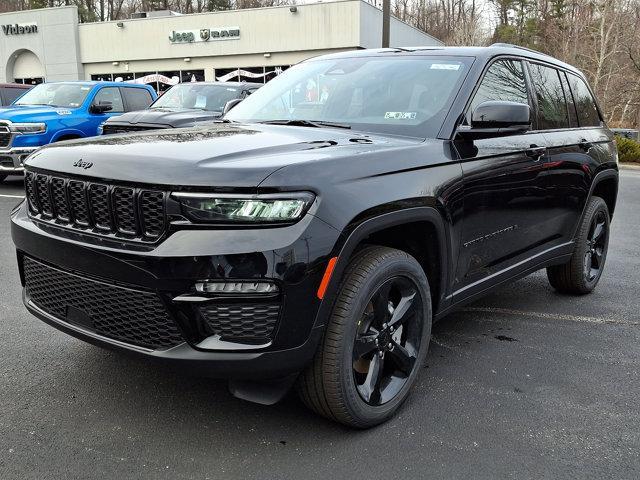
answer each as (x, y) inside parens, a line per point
(550, 316)
(11, 196)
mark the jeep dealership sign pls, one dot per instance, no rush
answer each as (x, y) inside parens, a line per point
(20, 29)
(204, 35)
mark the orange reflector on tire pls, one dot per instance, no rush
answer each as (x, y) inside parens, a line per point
(326, 277)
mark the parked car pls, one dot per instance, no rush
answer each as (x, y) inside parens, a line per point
(315, 235)
(51, 112)
(9, 92)
(183, 105)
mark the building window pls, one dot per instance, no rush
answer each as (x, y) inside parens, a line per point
(248, 74)
(29, 81)
(192, 76)
(167, 79)
(140, 77)
(251, 74)
(272, 72)
(102, 77)
(226, 74)
(122, 77)
(160, 81)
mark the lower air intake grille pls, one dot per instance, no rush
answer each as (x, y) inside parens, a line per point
(242, 321)
(130, 316)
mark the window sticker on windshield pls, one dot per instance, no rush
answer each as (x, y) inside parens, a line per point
(63, 112)
(445, 66)
(400, 115)
(85, 88)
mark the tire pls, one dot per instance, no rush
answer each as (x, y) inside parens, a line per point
(576, 276)
(330, 384)
(3, 177)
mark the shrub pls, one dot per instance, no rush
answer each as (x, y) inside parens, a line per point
(628, 150)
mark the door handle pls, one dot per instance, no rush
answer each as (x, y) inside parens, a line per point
(535, 152)
(585, 145)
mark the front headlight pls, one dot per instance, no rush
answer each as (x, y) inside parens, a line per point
(101, 128)
(223, 208)
(28, 127)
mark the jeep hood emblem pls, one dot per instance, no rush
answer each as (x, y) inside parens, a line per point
(82, 164)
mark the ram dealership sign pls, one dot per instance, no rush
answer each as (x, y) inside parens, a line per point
(204, 35)
(20, 29)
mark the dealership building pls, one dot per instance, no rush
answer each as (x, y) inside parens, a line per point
(164, 48)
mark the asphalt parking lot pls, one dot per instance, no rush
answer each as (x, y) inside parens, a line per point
(523, 384)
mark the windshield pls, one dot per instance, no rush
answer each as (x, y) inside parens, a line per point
(70, 95)
(197, 96)
(404, 95)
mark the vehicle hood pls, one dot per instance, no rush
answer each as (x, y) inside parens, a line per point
(164, 116)
(218, 155)
(32, 114)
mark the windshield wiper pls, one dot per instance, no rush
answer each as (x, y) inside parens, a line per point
(307, 123)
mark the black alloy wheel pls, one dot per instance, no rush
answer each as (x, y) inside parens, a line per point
(596, 246)
(387, 341)
(375, 341)
(582, 272)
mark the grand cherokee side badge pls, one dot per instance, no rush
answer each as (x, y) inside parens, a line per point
(82, 164)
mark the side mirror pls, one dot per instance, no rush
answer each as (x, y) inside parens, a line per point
(101, 107)
(497, 119)
(230, 104)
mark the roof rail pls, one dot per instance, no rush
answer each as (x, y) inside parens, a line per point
(510, 45)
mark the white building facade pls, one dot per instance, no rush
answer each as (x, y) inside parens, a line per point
(251, 44)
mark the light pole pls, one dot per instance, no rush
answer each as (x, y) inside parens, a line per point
(386, 16)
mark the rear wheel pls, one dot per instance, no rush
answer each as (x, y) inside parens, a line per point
(3, 177)
(581, 273)
(376, 339)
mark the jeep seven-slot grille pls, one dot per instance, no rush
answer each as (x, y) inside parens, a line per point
(131, 316)
(97, 207)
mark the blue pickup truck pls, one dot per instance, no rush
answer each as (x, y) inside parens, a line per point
(51, 112)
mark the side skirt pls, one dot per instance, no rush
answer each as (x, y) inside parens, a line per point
(554, 256)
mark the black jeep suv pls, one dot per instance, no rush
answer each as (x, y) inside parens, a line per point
(315, 236)
(183, 105)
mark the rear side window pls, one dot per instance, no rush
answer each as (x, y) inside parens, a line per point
(10, 94)
(552, 106)
(571, 106)
(504, 81)
(588, 115)
(137, 98)
(111, 95)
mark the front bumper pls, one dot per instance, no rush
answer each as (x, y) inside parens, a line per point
(294, 257)
(12, 159)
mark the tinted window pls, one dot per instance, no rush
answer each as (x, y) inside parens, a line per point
(111, 95)
(585, 104)
(571, 107)
(504, 81)
(552, 107)
(10, 94)
(137, 98)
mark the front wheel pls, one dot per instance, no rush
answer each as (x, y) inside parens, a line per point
(376, 340)
(581, 273)
(3, 177)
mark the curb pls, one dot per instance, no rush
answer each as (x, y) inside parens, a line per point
(629, 166)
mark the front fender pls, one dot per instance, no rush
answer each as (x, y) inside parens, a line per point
(351, 238)
(65, 133)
